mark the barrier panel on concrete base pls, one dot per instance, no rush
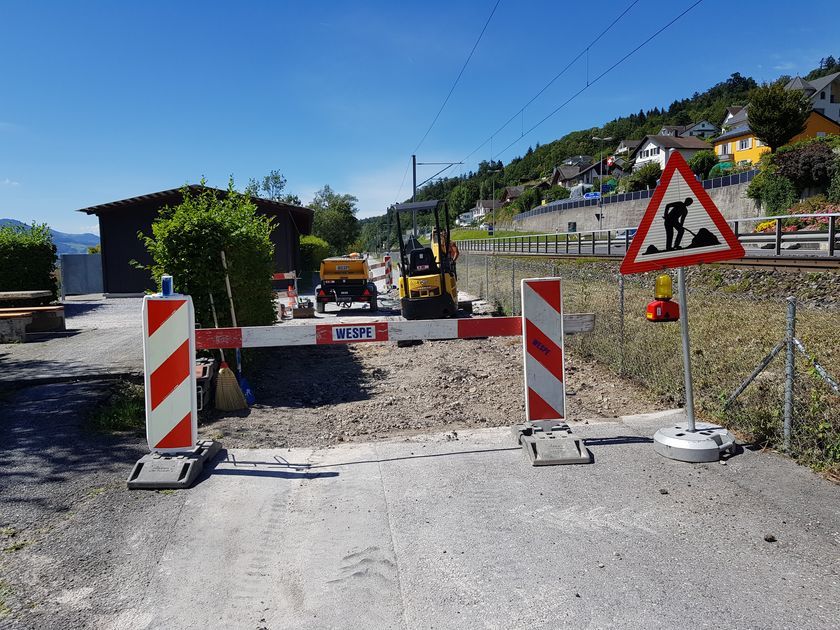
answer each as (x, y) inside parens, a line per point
(170, 342)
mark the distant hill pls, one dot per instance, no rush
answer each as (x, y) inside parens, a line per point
(65, 243)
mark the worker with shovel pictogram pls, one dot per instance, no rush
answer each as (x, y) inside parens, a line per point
(675, 214)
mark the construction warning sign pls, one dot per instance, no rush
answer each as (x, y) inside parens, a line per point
(681, 226)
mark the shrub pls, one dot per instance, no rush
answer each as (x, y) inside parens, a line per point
(27, 259)
(806, 164)
(702, 162)
(556, 192)
(312, 251)
(774, 192)
(778, 194)
(644, 178)
(187, 241)
(834, 188)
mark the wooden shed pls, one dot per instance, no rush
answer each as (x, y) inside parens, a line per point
(120, 221)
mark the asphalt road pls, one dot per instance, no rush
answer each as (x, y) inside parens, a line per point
(438, 532)
(103, 338)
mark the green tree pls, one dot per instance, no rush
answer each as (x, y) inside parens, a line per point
(312, 251)
(95, 249)
(702, 162)
(187, 241)
(776, 115)
(271, 187)
(335, 219)
(460, 200)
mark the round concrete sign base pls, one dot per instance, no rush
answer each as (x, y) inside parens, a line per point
(704, 444)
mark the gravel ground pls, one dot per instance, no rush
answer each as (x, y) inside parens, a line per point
(315, 396)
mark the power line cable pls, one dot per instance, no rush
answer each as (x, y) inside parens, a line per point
(458, 78)
(522, 109)
(601, 76)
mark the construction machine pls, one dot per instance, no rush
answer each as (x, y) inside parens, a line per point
(427, 284)
(344, 280)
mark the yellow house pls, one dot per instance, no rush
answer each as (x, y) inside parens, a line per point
(740, 145)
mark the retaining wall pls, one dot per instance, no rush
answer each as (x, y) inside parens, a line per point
(731, 200)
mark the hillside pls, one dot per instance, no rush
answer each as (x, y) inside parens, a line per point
(463, 191)
(65, 243)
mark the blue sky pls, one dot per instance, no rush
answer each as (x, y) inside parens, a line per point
(106, 100)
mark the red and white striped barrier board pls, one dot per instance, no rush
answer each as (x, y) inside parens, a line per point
(542, 345)
(361, 332)
(288, 275)
(169, 369)
(376, 266)
(389, 272)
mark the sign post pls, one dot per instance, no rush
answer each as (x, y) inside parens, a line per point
(682, 227)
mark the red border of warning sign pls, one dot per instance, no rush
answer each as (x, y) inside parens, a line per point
(630, 265)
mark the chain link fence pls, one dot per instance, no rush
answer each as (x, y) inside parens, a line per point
(736, 318)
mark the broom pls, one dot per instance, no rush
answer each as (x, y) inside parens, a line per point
(229, 396)
(244, 385)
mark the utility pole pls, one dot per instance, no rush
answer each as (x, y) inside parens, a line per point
(493, 198)
(601, 179)
(414, 192)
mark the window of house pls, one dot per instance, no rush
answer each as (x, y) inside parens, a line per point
(572, 226)
(758, 143)
(822, 95)
(744, 144)
(821, 134)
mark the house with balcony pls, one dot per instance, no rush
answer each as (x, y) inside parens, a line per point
(482, 208)
(824, 93)
(659, 148)
(740, 145)
(702, 129)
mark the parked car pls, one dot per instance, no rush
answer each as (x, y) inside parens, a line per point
(621, 235)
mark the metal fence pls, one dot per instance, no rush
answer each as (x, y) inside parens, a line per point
(566, 204)
(737, 319)
(615, 241)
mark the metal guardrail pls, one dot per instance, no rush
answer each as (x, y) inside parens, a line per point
(567, 204)
(587, 243)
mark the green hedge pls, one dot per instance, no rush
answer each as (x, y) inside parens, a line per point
(27, 259)
(312, 251)
(187, 241)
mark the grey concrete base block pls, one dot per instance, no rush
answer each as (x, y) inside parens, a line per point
(551, 443)
(157, 471)
(705, 444)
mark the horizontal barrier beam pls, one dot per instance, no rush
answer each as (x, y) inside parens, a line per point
(366, 332)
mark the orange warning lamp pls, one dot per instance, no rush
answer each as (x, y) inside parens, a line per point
(662, 309)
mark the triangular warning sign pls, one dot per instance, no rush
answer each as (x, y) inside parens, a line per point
(681, 227)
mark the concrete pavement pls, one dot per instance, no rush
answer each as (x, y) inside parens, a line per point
(446, 532)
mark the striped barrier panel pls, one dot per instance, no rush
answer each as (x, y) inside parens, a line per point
(169, 369)
(542, 308)
(377, 266)
(545, 437)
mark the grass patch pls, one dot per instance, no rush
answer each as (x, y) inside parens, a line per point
(8, 532)
(16, 546)
(123, 410)
(733, 326)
